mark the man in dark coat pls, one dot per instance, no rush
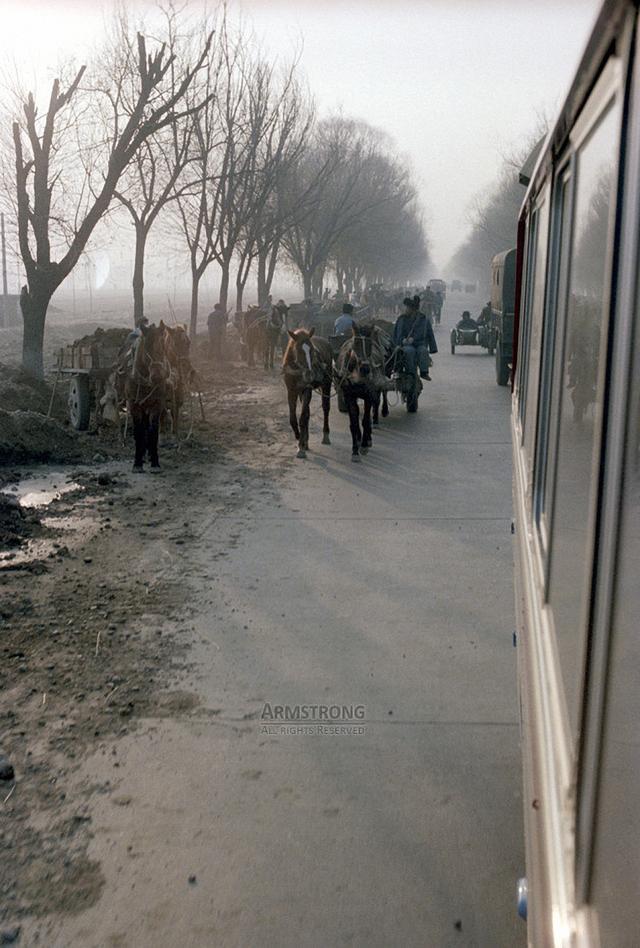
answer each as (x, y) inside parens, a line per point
(217, 326)
(413, 332)
(466, 322)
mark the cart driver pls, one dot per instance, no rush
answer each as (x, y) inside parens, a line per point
(413, 333)
(466, 322)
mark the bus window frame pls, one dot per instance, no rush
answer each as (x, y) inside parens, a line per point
(528, 280)
(552, 354)
(623, 359)
(541, 205)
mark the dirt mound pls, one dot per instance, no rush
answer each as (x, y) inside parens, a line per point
(27, 436)
(16, 525)
(22, 392)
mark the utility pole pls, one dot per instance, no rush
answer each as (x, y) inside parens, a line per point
(4, 316)
(4, 258)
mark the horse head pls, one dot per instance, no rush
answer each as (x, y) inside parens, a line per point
(358, 359)
(301, 356)
(150, 360)
(177, 342)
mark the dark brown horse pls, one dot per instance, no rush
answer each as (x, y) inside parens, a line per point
(355, 379)
(145, 376)
(307, 364)
(177, 347)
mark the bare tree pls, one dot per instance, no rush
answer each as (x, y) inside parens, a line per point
(347, 175)
(280, 121)
(155, 176)
(41, 175)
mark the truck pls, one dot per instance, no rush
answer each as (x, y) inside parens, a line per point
(503, 287)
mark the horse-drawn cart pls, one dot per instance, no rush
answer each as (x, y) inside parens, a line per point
(88, 363)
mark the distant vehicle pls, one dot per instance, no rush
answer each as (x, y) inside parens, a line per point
(503, 295)
(456, 286)
(438, 286)
(576, 486)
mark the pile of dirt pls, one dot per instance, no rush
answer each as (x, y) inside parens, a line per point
(22, 392)
(16, 524)
(27, 436)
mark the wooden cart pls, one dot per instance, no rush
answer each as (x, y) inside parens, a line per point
(89, 362)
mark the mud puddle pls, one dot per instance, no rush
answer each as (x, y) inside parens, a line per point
(41, 490)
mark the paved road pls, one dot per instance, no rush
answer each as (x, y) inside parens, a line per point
(386, 584)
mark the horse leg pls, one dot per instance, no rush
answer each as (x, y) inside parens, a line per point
(326, 408)
(354, 424)
(305, 399)
(385, 404)
(153, 430)
(140, 439)
(376, 407)
(366, 424)
(292, 397)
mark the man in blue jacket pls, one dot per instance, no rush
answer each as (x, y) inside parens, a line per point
(414, 334)
(344, 323)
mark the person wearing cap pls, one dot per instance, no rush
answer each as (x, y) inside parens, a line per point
(283, 309)
(466, 322)
(217, 326)
(413, 333)
(344, 324)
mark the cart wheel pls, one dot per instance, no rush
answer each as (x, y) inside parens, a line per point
(79, 402)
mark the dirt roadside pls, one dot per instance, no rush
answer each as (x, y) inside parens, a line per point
(95, 627)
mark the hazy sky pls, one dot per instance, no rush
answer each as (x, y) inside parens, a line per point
(455, 82)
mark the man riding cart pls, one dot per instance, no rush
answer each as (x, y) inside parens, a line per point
(414, 334)
(469, 332)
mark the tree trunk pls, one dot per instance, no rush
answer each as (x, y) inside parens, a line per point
(138, 275)
(239, 292)
(195, 289)
(306, 281)
(271, 268)
(34, 313)
(263, 289)
(224, 283)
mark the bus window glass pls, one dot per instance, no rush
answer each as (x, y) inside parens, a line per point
(547, 425)
(580, 406)
(526, 320)
(535, 332)
(617, 852)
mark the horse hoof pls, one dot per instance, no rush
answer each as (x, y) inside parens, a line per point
(326, 439)
(301, 453)
(355, 458)
(155, 469)
(364, 450)
(138, 469)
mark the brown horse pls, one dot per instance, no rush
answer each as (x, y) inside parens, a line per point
(307, 364)
(356, 380)
(145, 376)
(181, 373)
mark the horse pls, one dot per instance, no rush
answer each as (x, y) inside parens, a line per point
(272, 336)
(145, 376)
(181, 373)
(355, 378)
(307, 364)
(252, 333)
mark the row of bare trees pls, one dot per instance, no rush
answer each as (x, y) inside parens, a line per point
(493, 217)
(197, 134)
